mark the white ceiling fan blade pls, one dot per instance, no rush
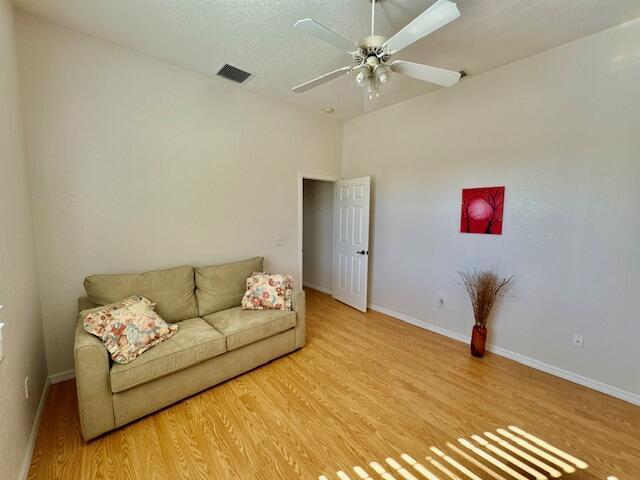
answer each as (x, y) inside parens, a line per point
(436, 75)
(433, 18)
(327, 77)
(315, 29)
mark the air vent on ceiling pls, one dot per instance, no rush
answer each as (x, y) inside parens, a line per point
(234, 74)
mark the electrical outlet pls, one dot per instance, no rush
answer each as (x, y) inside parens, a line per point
(26, 388)
(442, 300)
(578, 340)
(279, 242)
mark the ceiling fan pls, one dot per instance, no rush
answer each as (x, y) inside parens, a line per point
(372, 55)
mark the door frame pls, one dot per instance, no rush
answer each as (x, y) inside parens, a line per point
(302, 176)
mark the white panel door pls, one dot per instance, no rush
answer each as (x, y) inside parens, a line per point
(351, 241)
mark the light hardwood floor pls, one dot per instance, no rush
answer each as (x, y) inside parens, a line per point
(366, 387)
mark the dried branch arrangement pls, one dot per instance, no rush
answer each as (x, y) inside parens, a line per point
(485, 290)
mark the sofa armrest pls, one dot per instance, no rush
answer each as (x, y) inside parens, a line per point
(84, 303)
(299, 306)
(95, 404)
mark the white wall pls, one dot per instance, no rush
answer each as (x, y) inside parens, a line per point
(561, 130)
(317, 253)
(136, 164)
(23, 339)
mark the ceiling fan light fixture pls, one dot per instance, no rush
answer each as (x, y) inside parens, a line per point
(381, 73)
(362, 76)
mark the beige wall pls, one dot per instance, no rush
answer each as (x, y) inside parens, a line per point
(561, 130)
(136, 164)
(23, 340)
(317, 252)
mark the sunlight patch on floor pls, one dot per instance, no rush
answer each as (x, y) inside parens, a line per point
(514, 454)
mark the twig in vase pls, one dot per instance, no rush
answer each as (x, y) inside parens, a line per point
(485, 289)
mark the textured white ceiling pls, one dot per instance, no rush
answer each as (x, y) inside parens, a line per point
(256, 35)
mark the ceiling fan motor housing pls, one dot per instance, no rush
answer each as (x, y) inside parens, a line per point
(371, 46)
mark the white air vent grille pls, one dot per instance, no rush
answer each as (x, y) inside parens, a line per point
(234, 74)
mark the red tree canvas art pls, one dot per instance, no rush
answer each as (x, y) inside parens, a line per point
(482, 210)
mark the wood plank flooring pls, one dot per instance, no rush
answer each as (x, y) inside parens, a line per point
(365, 388)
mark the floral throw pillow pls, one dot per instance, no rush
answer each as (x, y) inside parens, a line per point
(288, 279)
(128, 328)
(268, 291)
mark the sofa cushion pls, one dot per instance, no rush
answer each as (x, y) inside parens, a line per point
(194, 342)
(242, 327)
(219, 287)
(172, 290)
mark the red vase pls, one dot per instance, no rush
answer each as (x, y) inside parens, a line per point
(478, 341)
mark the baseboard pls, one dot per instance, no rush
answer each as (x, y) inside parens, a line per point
(421, 323)
(567, 375)
(317, 287)
(51, 379)
(524, 360)
(26, 463)
(62, 376)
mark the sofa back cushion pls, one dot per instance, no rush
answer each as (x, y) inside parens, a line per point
(172, 290)
(219, 287)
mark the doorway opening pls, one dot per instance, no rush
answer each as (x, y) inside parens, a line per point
(317, 234)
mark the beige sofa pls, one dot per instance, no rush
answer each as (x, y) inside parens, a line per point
(217, 340)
